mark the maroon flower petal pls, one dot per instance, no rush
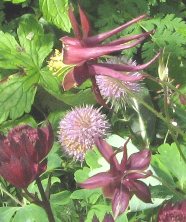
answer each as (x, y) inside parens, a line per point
(77, 55)
(120, 201)
(44, 143)
(19, 173)
(99, 180)
(129, 38)
(74, 23)
(84, 23)
(108, 218)
(125, 156)
(100, 69)
(107, 152)
(139, 175)
(94, 40)
(131, 68)
(141, 190)
(75, 77)
(139, 160)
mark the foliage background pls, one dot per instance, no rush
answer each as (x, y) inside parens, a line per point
(30, 31)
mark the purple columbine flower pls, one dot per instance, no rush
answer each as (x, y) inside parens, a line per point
(121, 182)
(78, 129)
(107, 218)
(173, 212)
(113, 90)
(84, 50)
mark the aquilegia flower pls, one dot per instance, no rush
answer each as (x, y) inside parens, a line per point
(121, 182)
(173, 212)
(78, 129)
(115, 90)
(22, 153)
(84, 50)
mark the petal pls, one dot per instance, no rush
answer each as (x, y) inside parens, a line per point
(99, 180)
(94, 40)
(84, 23)
(75, 77)
(109, 190)
(107, 152)
(139, 160)
(141, 190)
(120, 201)
(108, 218)
(139, 175)
(129, 38)
(77, 55)
(74, 23)
(97, 93)
(45, 141)
(131, 68)
(99, 69)
(124, 159)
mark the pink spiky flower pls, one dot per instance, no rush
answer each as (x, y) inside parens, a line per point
(84, 50)
(78, 129)
(113, 90)
(173, 212)
(121, 182)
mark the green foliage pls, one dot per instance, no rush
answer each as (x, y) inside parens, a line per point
(55, 11)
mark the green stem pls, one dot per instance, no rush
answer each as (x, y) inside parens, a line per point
(46, 203)
(173, 190)
(159, 115)
(10, 195)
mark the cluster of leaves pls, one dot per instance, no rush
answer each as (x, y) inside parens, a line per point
(29, 93)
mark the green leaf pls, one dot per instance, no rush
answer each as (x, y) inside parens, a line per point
(12, 55)
(30, 213)
(90, 196)
(82, 174)
(6, 213)
(171, 159)
(15, 1)
(99, 210)
(61, 198)
(17, 96)
(33, 40)
(54, 160)
(56, 12)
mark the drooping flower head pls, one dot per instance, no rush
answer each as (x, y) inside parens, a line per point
(121, 182)
(115, 90)
(173, 212)
(78, 129)
(84, 50)
(22, 153)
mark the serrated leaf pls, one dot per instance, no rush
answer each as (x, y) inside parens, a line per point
(6, 213)
(33, 40)
(26, 214)
(56, 12)
(11, 54)
(17, 96)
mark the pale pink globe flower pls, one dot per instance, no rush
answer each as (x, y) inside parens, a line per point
(78, 129)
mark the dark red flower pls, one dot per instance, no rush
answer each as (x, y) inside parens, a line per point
(22, 153)
(107, 218)
(84, 50)
(173, 212)
(121, 182)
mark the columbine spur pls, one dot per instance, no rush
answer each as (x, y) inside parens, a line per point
(78, 129)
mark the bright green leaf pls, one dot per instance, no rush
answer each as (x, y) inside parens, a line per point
(56, 12)
(33, 39)
(6, 213)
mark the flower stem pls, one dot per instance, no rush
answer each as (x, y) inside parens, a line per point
(46, 203)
